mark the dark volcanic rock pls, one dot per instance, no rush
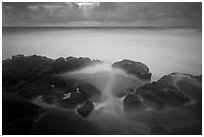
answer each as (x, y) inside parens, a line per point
(132, 103)
(71, 63)
(97, 61)
(76, 98)
(18, 117)
(86, 109)
(136, 68)
(50, 99)
(199, 78)
(90, 90)
(37, 75)
(162, 93)
(123, 92)
(59, 122)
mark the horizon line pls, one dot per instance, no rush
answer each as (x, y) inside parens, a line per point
(101, 27)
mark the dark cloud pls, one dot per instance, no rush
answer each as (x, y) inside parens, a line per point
(41, 12)
(109, 13)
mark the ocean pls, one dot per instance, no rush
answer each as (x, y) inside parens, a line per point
(163, 50)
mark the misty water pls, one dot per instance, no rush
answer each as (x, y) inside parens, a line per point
(109, 116)
(163, 50)
(114, 84)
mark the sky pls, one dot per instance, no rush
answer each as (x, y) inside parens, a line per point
(137, 14)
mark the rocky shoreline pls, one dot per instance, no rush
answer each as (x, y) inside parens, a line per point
(33, 76)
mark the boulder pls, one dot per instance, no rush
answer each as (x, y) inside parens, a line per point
(199, 78)
(86, 109)
(123, 92)
(162, 93)
(18, 117)
(38, 75)
(136, 68)
(91, 91)
(132, 103)
(97, 61)
(76, 98)
(50, 99)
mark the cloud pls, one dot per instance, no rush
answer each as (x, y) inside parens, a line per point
(42, 13)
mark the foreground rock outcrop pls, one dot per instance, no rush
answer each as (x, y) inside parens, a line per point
(18, 117)
(132, 102)
(91, 91)
(171, 105)
(136, 68)
(86, 109)
(36, 75)
(76, 98)
(164, 93)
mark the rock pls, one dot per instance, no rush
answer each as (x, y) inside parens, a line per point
(85, 60)
(50, 99)
(162, 93)
(136, 68)
(97, 61)
(72, 63)
(199, 78)
(35, 75)
(76, 98)
(91, 91)
(18, 117)
(63, 123)
(132, 103)
(70, 58)
(123, 92)
(60, 60)
(86, 109)
(131, 99)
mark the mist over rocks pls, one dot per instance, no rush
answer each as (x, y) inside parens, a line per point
(124, 92)
(86, 109)
(40, 78)
(60, 122)
(132, 103)
(171, 105)
(136, 68)
(35, 75)
(91, 91)
(18, 117)
(76, 98)
(164, 93)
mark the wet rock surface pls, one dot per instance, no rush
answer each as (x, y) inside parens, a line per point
(59, 122)
(37, 75)
(136, 68)
(162, 93)
(18, 117)
(86, 109)
(132, 103)
(90, 90)
(175, 100)
(76, 98)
